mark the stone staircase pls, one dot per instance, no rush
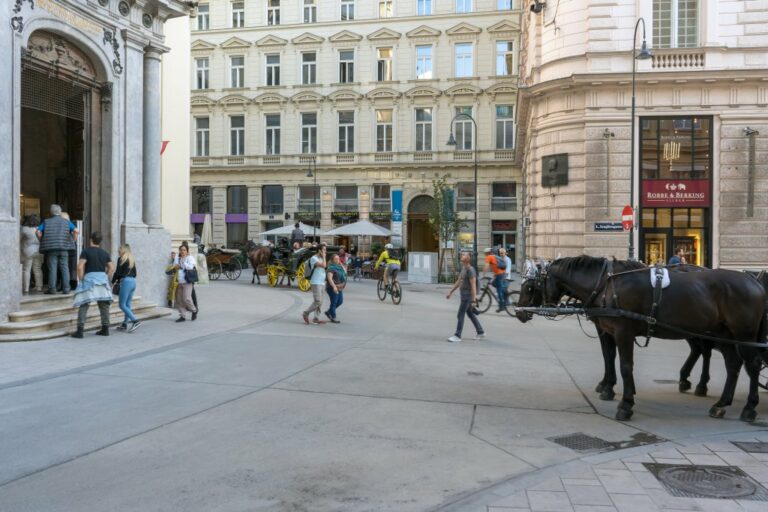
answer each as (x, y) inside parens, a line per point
(51, 316)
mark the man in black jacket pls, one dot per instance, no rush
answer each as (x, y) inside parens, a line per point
(297, 235)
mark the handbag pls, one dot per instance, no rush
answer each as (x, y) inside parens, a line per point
(116, 288)
(190, 276)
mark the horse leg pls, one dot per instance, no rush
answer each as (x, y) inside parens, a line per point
(605, 386)
(753, 365)
(706, 353)
(626, 344)
(733, 364)
(685, 371)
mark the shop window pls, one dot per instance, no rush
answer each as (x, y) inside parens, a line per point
(272, 199)
(237, 199)
(201, 199)
(237, 235)
(676, 148)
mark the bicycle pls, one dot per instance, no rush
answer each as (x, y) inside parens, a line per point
(394, 290)
(488, 295)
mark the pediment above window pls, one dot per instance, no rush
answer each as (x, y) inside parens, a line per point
(423, 32)
(345, 95)
(271, 41)
(504, 26)
(202, 46)
(423, 91)
(307, 38)
(235, 43)
(269, 98)
(345, 36)
(307, 97)
(508, 88)
(464, 29)
(384, 34)
(202, 102)
(234, 100)
(383, 93)
(464, 90)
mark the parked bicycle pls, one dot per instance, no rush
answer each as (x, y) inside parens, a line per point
(488, 296)
(393, 289)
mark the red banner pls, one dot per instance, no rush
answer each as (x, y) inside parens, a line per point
(675, 193)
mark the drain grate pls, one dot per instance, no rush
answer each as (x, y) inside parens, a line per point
(751, 446)
(719, 482)
(582, 442)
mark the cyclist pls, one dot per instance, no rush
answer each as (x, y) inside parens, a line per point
(393, 264)
(493, 264)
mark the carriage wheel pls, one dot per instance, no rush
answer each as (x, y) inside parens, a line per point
(303, 282)
(272, 275)
(234, 269)
(215, 270)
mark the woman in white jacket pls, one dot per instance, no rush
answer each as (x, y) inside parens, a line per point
(31, 259)
(184, 262)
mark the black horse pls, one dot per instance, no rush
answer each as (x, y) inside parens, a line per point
(718, 303)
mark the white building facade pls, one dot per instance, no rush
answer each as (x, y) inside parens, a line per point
(700, 151)
(364, 94)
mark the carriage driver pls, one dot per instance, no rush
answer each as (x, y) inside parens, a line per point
(392, 263)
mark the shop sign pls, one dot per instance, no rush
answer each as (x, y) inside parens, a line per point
(345, 216)
(675, 193)
(379, 216)
(302, 216)
(397, 218)
(504, 225)
(608, 226)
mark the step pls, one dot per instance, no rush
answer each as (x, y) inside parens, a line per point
(55, 309)
(90, 325)
(65, 321)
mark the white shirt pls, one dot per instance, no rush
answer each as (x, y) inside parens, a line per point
(187, 263)
(508, 270)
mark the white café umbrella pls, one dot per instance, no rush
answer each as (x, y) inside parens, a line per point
(286, 230)
(359, 228)
(206, 237)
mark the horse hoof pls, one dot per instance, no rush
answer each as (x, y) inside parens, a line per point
(700, 391)
(717, 412)
(624, 414)
(684, 386)
(748, 415)
(607, 395)
(599, 388)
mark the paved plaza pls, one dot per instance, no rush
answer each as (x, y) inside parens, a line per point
(249, 409)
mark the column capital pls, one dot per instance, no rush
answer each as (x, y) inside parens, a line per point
(154, 51)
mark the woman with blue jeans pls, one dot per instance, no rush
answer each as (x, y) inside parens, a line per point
(125, 276)
(337, 279)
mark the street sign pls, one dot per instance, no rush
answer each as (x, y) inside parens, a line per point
(627, 218)
(608, 226)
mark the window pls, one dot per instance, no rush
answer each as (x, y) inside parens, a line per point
(463, 127)
(202, 73)
(237, 135)
(310, 11)
(504, 197)
(237, 71)
(203, 17)
(346, 198)
(201, 199)
(505, 58)
(503, 5)
(309, 132)
(237, 199)
(272, 131)
(202, 136)
(464, 65)
(505, 127)
(463, 5)
(424, 7)
(675, 23)
(423, 129)
(238, 14)
(383, 131)
(465, 197)
(306, 201)
(385, 8)
(308, 68)
(272, 199)
(384, 64)
(347, 10)
(424, 62)
(273, 69)
(381, 198)
(346, 66)
(676, 148)
(347, 132)
(273, 12)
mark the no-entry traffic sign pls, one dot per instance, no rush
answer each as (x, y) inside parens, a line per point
(627, 218)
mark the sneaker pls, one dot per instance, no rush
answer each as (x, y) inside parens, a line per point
(134, 325)
(194, 316)
(328, 316)
(181, 319)
(499, 310)
(334, 321)
(454, 339)
(305, 317)
(480, 336)
(122, 327)
(318, 321)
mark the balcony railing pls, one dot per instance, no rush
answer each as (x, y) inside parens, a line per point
(504, 204)
(346, 158)
(422, 156)
(674, 59)
(383, 157)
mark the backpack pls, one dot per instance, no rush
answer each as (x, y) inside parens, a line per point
(309, 269)
(501, 263)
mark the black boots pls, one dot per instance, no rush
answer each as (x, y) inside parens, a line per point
(104, 331)
(78, 333)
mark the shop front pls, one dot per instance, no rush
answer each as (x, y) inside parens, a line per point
(676, 189)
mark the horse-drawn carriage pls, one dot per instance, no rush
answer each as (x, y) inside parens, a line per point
(282, 264)
(228, 262)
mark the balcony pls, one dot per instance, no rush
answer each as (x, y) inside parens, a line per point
(504, 204)
(422, 156)
(504, 154)
(384, 157)
(675, 59)
(345, 158)
(463, 155)
(271, 159)
(235, 160)
(199, 161)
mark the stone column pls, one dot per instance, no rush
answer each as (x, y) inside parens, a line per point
(152, 135)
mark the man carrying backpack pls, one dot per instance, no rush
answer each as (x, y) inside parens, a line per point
(498, 266)
(316, 278)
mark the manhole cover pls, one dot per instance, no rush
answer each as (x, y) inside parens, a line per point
(582, 442)
(752, 447)
(721, 482)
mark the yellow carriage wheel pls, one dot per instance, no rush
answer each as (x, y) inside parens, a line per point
(272, 275)
(303, 282)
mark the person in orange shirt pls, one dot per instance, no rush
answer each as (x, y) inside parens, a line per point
(492, 264)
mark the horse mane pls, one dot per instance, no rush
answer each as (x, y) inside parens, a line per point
(592, 263)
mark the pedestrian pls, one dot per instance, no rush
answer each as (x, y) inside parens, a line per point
(467, 285)
(337, 280)
(56, 236)
(317, 282)
(31, 259)
(297, 235)
(507, 262)
(357, 265)
(194, 291)
(492, 264)
(173, 282)
(343, 257)
(125, 280)
(678, 258)
(184, 264)
(72, 261)
(93, 271)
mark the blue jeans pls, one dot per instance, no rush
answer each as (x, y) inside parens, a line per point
(337, 299)
(58, 261)
(127, 287)
(466, 309)
(501, 289)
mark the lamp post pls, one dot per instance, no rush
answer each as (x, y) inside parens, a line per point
(310, 174)
(452, 142)
(643, 54)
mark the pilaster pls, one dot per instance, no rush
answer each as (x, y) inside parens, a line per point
(219, 209)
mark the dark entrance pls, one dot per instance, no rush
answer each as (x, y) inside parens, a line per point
(420, 235)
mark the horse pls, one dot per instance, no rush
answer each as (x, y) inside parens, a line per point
(726, 304)
(258, 255)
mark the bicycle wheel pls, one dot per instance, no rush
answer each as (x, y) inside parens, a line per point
(381, 291)
(512, 299)
(397, 293)
(215, 271)
(234, 269)
(484, 304)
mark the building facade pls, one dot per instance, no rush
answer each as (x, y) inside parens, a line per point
(363, 94)
(80, 118)
(696, 172)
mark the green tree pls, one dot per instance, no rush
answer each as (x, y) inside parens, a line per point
(443, 220)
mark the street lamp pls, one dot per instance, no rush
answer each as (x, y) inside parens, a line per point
(643, 54)
(452, 142)
(313, 162)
